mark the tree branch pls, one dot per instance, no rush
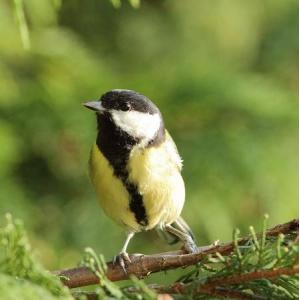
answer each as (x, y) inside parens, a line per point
(240, 278)
(143, 265)
(213, 284)
(218, 287)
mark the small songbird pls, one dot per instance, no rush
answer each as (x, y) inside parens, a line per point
(136, 169)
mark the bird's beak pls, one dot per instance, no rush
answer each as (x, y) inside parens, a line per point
(94, 105)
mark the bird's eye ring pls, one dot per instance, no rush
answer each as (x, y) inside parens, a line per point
(126, 106)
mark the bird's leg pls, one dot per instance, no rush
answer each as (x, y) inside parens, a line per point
(122, 258)
(189, 244)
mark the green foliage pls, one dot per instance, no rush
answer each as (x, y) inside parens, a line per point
(118, 3)
(21, 276)
(96, 263)
(20, 15)
(98, 266)
(259, 254)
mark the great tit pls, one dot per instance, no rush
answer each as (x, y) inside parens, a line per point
(136, 169)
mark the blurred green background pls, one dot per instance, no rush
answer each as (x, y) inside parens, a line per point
(224, 74)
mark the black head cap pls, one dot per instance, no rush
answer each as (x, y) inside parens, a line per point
(126, 100)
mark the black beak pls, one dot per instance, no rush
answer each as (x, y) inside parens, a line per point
(94, 105)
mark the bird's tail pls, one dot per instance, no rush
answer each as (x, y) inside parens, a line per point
(179, 224)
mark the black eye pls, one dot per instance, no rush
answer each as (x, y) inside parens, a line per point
(125, 106)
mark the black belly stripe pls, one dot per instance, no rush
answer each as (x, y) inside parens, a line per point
(116, 145)
(136, 204)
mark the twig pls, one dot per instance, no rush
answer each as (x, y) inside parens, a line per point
(222, 286)
(184, 289)
(240, 278)
(219, 287)
(143, 265)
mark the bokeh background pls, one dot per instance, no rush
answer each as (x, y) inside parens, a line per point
(225, 75)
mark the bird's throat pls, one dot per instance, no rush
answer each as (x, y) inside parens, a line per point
(114, 143)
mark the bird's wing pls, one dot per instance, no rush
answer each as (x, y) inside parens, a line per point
(173, 152)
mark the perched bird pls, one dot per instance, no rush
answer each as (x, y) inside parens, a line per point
(135, 168)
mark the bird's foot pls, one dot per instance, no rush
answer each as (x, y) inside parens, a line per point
(190, 246)
(122, 259)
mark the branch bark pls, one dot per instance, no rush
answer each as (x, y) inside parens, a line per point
(143, 265)
(218, 287)
(211, 285)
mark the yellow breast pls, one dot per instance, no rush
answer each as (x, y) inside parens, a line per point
(156, 173)
(158, 177)
(110, 190)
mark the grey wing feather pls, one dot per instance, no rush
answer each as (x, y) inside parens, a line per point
(173, 152)
(179, 224)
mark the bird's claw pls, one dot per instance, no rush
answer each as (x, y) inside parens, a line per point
(122, 259)
(190, 246)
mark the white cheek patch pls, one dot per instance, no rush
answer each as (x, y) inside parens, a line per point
(137, 124)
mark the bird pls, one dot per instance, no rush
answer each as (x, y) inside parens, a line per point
(135, 168)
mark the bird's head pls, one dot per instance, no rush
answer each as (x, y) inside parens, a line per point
(131, 112)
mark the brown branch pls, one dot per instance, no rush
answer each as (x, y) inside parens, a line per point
(213, 287)
(227, 293)
(221, 286)
(240, 278)
(184, 289)
(143, 265)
